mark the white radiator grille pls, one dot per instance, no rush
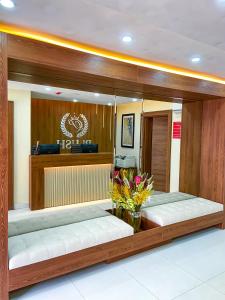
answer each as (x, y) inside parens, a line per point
(77, 184)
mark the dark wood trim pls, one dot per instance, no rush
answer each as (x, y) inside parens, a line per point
(146, 141)
(158, 113)
(3, 169)
(111, 251)
(54, 65)
(11, 154)
(39, 162)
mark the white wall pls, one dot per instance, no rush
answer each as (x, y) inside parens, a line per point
(22, 142)
(148, 106)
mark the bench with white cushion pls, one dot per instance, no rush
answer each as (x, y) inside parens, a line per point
(86, 229)
(171, 212)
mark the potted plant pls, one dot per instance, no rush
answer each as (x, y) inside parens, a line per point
(129, 193)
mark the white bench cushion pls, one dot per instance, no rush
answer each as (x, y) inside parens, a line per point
(44, 244)
(175, 212)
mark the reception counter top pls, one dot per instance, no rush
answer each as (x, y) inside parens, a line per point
(38, 163)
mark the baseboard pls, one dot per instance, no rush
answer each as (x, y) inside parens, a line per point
(21, 205)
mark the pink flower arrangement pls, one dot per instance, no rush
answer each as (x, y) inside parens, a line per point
(137, 180)
(129, 191)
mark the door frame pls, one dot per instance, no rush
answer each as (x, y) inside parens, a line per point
(146, 144)
(11, 155)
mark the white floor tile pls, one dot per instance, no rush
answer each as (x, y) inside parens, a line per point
(163, 279)
(99, 278)
(205, 265)
(57, 289)
(202, 292)
(127, 290)
(218, 283)
(194, 244)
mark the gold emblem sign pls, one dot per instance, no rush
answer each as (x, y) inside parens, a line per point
(70, 123)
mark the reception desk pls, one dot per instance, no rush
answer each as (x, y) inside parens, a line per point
(52, 174)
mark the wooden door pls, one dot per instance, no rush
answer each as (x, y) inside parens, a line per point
(11, 152)
(159, 152)
(156, 146)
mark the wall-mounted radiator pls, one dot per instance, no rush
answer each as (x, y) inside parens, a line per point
(70, 185)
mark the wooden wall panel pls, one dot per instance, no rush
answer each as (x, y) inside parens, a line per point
(46, 116)
(3, 170)
(191, 148)
(212, 171)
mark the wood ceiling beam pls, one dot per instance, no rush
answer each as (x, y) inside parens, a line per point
(38, 59)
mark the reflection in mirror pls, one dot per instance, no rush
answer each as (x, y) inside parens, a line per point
(148, 135)
(128, 132)
(46, 121)
(161, 135)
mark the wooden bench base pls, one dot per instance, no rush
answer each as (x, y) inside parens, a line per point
(151, 236)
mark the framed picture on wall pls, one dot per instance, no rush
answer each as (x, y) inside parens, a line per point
(127, 132)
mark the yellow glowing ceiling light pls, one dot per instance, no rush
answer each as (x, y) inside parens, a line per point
(51, 39)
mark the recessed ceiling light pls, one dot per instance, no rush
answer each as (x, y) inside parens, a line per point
(134, 99)
(176, 98)
(47, 88)
(127, 39)
(7, 3)
(75, 100)
(196, 59)
(97, 94)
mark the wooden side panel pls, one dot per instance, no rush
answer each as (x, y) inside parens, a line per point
(212, 184)
(191, 148)
(11, 152)
(3, 170)
(159, 152)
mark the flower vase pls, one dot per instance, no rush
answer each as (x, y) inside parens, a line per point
(120, 212)
(113, 208)
(134, 220)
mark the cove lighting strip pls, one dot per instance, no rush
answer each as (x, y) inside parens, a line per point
(51, 39)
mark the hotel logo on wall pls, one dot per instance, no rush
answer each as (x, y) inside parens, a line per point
(79, 125)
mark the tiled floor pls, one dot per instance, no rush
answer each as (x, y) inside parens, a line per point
(190, 268)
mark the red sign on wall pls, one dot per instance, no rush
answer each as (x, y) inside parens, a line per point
(176, 130)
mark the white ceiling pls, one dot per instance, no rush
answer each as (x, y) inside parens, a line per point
(40, 92)
(169, 31)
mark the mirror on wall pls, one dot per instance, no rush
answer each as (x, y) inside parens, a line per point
(161, 136)
(43, 119)
(148, 135)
